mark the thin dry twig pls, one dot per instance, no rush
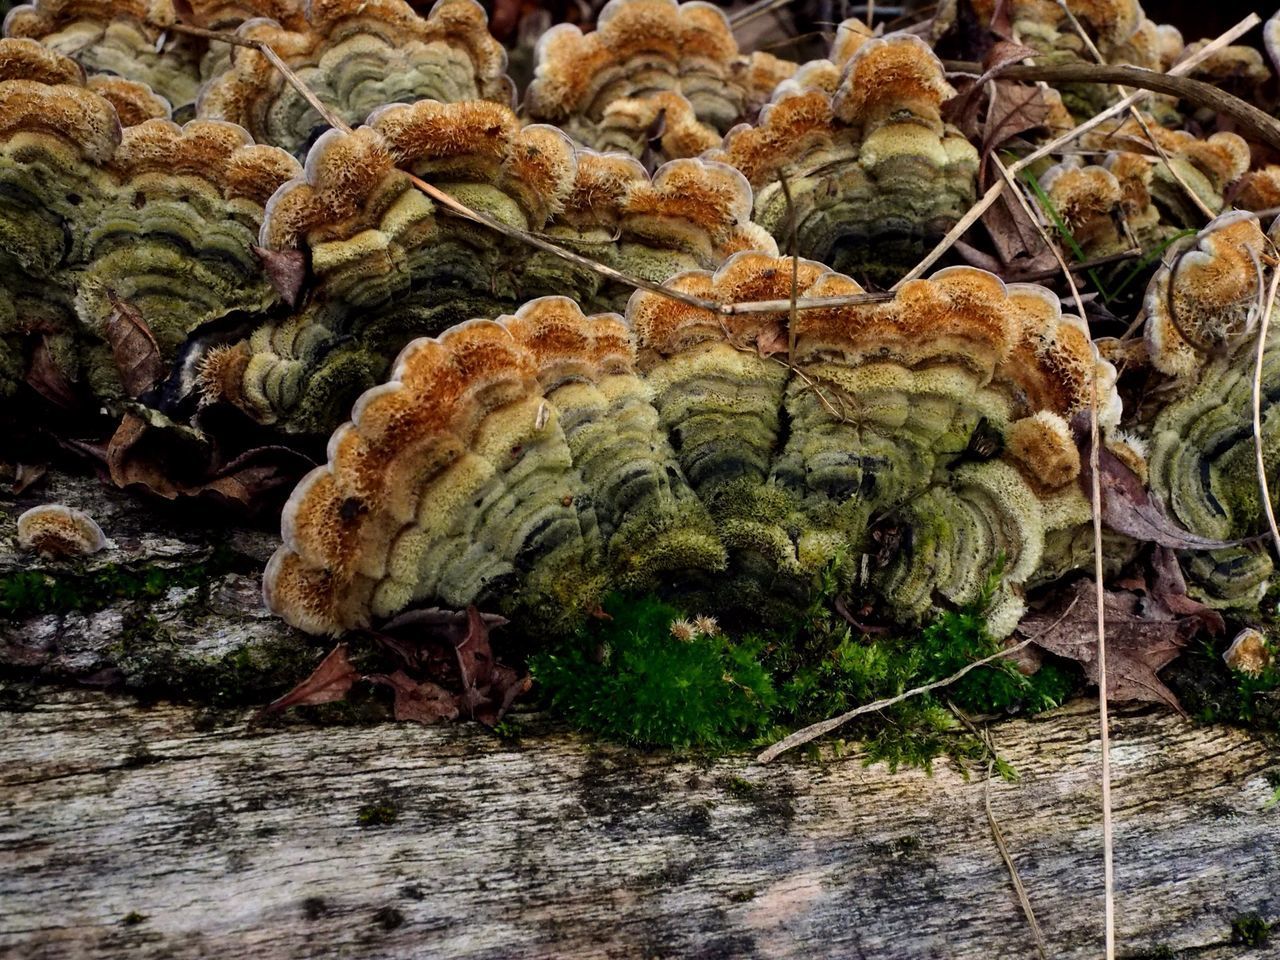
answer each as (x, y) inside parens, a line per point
(1136, 113)
(823, 727)
(264, 48)
(1036, 933)
(1108, 865)
(987, 199)
(793, 231)
(1261, 125)
(1263, 489)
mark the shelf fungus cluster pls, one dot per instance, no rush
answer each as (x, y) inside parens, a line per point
(860, 156)
(655, 75)
(99, 220)
(355, 57)
(387, 264)
(535, 461)
(1201, 310)
(1119, 32)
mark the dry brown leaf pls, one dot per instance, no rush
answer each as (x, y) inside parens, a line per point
(1015, 108)
(424, 702)
(771, 339)
(133, 347)
(450, 649)
(287, 271)
(1016, 239)
(1168, 593)
(46, 378)
(964, 108)
(21, 476)
(330, 681)
(1127, 506)
(1138, 647)
(172, 460)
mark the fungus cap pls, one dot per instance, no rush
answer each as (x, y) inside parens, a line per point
(55, 530)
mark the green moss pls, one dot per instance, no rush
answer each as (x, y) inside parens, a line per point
(30, 592)
(630, 679)
(133, 918)
(1251, 930)
(381, 813)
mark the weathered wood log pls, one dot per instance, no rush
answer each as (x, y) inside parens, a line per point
(173, 606)
(129, 832)
(172, 831)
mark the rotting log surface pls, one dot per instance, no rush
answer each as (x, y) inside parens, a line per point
(174, 832)
(233, 843)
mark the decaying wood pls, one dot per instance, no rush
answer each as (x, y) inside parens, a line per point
(171, 831)
(133, 833)
(144, 642)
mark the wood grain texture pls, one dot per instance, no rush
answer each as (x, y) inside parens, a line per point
(233, 842)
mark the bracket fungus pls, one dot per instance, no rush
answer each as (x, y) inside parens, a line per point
(95, 218)
(536, 461)
(1249, 652)
(386, 266)
(355, 56)
(58, 531)
(1201, 308)
(1208, 166)
(874, 174)
(647, 65)
(122, 37)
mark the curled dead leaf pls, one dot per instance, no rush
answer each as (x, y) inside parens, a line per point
(46, 377)
(421, 702)
(172, 460)
(1127, 506)
(771, 339)
(133, 347)
(286, 270)
(331, 680)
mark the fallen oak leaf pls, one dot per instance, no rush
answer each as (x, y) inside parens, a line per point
(133, 347)
(963, 108)
(1127, 506)
(1015, 108)
(421, 702)
(1169, 593)
(505, 687)
(331, 680)
(1138, 647)
(286, 270)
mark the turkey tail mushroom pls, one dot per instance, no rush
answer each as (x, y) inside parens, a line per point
(649, 59)
(875, 176)
(386, 266)
(537, 461)
(1201, 308)
(355, 57)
